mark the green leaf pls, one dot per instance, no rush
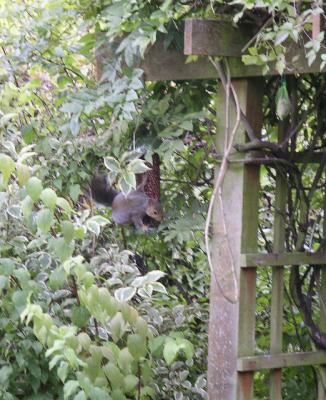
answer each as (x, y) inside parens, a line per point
(73, 108)
(80, 232)
(49, 198)
(125, 293)
(93, 227)
(5, 373)
(70, 388)
(3, 282)
(7, 167)
(34, 188)
(156, 346)
(114, 375)
(137, 346)
(68, 230)
(63, 371)
(44, 220)
(187, 347)
(130, 382)
(63, 203)
(125, 359)
(29, 133)
(112, 164)
(101, 221)
(27, 206)
(80, 396)
(22, 174)
(117, 395)
(74, 192)
(61, 249)
(170, 351)
(281, 37)
(138, 166)
(80, 316)
(84, 340)
(15, 212)
(117, 326)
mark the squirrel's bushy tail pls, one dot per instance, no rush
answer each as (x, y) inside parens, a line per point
(101, 191)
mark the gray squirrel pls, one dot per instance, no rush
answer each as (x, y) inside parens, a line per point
(126, 210)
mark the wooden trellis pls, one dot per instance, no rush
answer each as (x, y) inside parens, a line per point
(232, 359)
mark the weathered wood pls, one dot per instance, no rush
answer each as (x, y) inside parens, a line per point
(282, 259)
(170, 64)
(208, 37)
(322, 304)
(275, 391)
(162, 64)
(282, 360)
(224, 316)
(247, 316)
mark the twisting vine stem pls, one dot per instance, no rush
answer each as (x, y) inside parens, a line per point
(233, 296)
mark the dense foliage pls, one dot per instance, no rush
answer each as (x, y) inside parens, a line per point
(90, 310)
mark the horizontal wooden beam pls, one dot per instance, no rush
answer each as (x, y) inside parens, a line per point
(162, 64)
(283, 360)
(212, 37)
(281, 259)
(202, 38)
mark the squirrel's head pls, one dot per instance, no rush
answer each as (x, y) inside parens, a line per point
(154, 210)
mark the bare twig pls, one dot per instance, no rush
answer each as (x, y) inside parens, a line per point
(265, 24)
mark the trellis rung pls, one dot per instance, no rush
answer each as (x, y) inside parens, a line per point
(282, 360)
(281, 259)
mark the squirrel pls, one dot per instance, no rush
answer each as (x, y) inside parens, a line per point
(130, 209)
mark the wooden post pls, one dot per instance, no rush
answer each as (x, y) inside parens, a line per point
(277, 277)
(322, 295)
(240, 206)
